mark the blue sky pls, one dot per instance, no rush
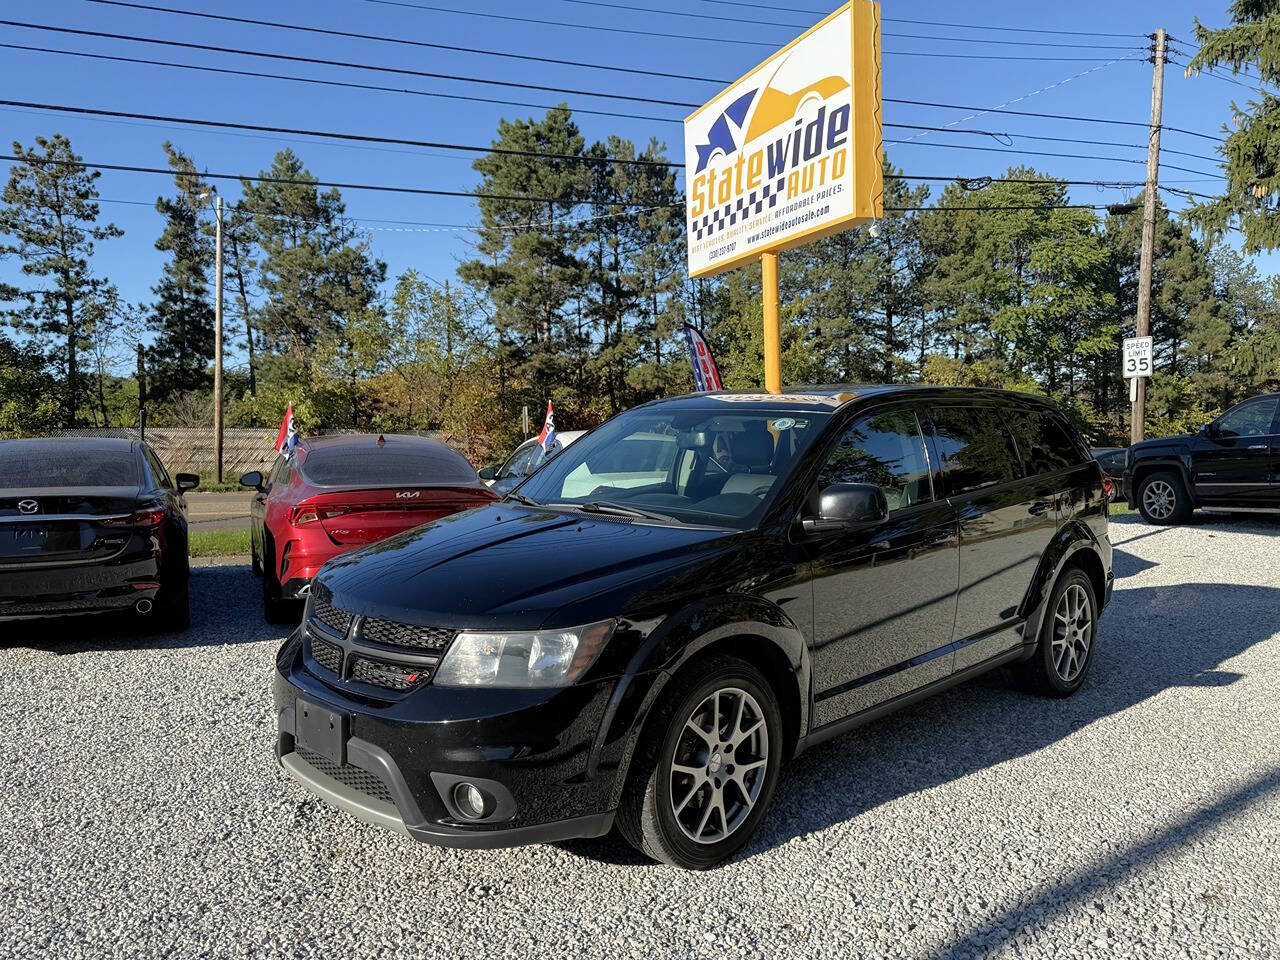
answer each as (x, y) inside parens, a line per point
(692, 41)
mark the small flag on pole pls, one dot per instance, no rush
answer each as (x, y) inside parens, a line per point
(288, 435)
(705, 375)
(547, 438)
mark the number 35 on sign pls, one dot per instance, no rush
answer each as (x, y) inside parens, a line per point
(1137, 357)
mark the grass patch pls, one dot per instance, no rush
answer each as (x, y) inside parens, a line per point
(219, 543)
(227, 486)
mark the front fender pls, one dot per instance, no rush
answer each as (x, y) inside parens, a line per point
(750, 624)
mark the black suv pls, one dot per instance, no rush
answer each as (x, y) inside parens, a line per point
(645, 649)
(1233, 464)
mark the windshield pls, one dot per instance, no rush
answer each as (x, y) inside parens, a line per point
(709, 466)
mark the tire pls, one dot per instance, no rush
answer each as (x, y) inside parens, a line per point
(1162, 499)
(692, 838)
(1068, 640)
(254, 563)
(275, 609)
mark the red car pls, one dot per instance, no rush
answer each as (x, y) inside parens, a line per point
(336, 493)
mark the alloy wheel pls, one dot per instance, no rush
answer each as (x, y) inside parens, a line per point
(719, 765)
(1159, 499)
(1072, 633)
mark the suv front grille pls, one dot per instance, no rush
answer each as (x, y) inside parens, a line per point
(326, 654)
(347, 775)
(392, 634)
(393, 676)
(330, 617)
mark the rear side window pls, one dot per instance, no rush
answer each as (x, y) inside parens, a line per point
(391, 465)
(885, 449)
(975, 446)
(1043, 441)
(24, 465)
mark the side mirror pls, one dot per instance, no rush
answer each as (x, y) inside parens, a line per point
(252, 479)
(488, 473)
(186, 481)
(845, 505)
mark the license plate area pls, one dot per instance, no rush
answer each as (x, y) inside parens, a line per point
(321, 730)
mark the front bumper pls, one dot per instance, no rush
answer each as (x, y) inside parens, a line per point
(540, 754)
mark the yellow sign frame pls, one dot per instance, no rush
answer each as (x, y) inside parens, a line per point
(865, 149)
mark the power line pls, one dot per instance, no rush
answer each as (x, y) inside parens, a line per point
(346, 84)
(1039, 153)
(907, 36)
(380, 188)
(332, 135)
(404, 41)
(939, 23)
(321, 61)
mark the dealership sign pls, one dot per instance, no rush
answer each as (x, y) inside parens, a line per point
(792, 151)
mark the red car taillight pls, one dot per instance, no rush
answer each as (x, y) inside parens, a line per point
(300, 515)
(1108, 489)
(146, 517)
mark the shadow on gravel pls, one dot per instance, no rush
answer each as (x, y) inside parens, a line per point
(1152, 640)
(1091, 881)
(226, 608)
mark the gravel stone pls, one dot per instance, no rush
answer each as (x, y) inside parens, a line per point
(144, 814)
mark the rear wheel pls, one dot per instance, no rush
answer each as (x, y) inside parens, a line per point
(275, 609)
(173, 605)
(1068, 638)
(706, 767)
(1162, 499)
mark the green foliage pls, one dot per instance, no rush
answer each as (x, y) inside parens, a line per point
(28, 405)
(1252, 147)
(182, 317)
(50, 215)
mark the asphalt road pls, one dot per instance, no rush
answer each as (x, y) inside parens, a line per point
(144, 815)
(218, 511)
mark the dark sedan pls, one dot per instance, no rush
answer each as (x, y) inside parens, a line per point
(91, 525)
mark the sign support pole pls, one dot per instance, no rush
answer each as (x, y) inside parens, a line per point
(772, 330)
(1142, 326)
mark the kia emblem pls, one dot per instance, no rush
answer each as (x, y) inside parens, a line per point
(28, 506)
(408, 495)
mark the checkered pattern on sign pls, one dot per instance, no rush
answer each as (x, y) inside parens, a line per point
(728, 215)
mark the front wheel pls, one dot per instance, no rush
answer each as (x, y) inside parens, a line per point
(706, 768)
(1162, 499)
(1068, 638)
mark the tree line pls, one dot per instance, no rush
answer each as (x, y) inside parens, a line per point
(576, 291)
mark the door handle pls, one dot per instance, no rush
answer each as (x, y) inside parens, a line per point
(1258, 446)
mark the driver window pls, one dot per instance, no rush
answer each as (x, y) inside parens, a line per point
(885, 449)
(1249, 419)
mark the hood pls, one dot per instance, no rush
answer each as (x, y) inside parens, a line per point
(507, 566)
(1159, 443)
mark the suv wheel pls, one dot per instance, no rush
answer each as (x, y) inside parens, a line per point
(1068, 638)
(1162, 499)
(706, 768)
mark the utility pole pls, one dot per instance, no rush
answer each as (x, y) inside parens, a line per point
(1143, 324)
(217, 347)
(142, 397)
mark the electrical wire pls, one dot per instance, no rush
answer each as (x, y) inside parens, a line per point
(326, 62)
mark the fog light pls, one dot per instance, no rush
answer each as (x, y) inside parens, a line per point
(470, 801)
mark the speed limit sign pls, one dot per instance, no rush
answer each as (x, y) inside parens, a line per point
(1136, 357)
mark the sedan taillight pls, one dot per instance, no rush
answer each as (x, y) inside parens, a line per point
(301, 515)
(1108, 489)
(146, 517)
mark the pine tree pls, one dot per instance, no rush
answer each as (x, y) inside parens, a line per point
(182, 317)
(51, 216)
(1250, 47)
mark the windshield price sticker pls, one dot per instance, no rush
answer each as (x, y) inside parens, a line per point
(1137, 357)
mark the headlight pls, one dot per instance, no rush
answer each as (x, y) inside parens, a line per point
(540, 658)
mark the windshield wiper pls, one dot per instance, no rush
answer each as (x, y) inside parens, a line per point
(521, 498)
(617, 509)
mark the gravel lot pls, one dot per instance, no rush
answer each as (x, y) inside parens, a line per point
(144, 815)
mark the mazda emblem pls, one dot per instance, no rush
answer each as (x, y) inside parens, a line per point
(28, 506)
